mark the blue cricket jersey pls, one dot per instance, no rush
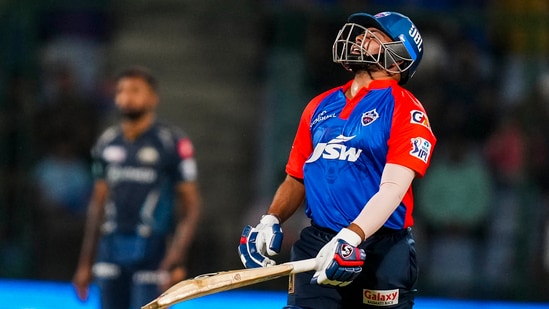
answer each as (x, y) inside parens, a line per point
(341, 147)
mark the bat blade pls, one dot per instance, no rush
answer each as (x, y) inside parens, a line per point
(226, 280)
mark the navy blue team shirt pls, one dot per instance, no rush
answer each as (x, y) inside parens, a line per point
(141, 176)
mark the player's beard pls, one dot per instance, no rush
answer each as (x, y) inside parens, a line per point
(132, 114)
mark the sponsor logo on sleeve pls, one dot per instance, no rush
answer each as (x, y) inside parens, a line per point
(421, 148)
(380, 297)
(419, 117)
(185, 148)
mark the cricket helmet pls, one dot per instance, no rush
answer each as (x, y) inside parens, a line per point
(403, 55)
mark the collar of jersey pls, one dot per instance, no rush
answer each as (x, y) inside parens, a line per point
(375, 84)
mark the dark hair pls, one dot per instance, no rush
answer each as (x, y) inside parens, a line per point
(139, 72)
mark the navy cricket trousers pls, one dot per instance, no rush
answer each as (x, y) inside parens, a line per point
(387, 280)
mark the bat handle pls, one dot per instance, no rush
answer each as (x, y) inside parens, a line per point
(303, 265)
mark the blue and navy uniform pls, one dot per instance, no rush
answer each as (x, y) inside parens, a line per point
(340, 150)
(139, 212)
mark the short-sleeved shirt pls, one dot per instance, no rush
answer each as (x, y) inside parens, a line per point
(141, 176)
(342, 146)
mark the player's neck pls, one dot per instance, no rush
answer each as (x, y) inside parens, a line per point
(132, 129)
(363, 79)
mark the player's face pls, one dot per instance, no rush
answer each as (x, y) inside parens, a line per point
(370, 42)
(135, 97)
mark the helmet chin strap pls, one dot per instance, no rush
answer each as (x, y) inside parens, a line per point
(367, 67)
(371, 67)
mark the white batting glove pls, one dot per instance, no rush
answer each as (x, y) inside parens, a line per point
(255, 243)
(339, 262)
(269, 235)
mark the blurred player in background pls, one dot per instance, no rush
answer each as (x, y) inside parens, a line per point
(357, 150)
(145, 205)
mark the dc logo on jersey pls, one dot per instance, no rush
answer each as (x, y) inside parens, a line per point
(419, 117)
(369, 117)
(421, 148)
(335, 150)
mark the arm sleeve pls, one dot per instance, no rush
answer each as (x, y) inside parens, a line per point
(395, 181)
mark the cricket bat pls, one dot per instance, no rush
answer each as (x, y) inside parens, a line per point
(226, 280)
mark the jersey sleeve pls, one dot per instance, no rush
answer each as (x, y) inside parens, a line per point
(98, 161)
(411, 140)
(98, 166)
(302, 146)
(187, 169)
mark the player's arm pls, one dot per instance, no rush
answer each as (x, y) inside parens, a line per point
(96, 209)
(395, 182)
(266, 237)
(188, 207)
(287, 199)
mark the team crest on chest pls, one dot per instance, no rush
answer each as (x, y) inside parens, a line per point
(369, 117)
(148, 155)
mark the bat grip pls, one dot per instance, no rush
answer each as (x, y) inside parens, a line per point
(303, 265)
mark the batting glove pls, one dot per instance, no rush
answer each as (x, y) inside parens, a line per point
(339, 262)
(255, 243)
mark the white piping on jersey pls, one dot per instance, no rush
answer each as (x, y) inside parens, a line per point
(110, 223)
(147, 212)
(166, 137)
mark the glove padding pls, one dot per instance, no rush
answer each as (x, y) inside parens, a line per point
(265, 238)
(339, 262)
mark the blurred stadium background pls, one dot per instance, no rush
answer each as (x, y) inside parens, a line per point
(236, 75)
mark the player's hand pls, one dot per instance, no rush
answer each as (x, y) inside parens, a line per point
(171, 277)
(339, 262)
(81, 282)
(255, 243)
